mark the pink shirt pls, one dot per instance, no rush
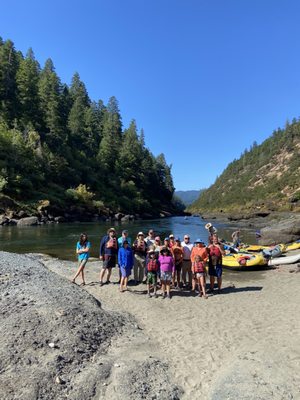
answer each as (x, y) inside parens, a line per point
(166, 264)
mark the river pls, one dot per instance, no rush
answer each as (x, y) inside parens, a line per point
(59, 240)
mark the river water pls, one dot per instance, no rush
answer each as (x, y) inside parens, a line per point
(59, 240)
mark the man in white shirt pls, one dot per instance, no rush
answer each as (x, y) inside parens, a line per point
(187, 264)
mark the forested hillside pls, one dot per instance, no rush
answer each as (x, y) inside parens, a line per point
(266, 176)
(188, 196)
(59, 146)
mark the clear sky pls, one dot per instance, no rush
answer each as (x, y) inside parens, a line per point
(203, 78)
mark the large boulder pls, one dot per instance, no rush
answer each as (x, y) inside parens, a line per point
(286, 231)
(29, 221)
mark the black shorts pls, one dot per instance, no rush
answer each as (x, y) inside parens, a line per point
(109, 261)
(178, 267)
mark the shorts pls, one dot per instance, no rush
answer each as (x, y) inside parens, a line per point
(166, 276)
(198, 275)
(109, 261)
(178, 266)
(215, 270)
(152, 278)
(125, 272)
(82, 263)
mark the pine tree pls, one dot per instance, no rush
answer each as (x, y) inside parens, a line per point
(112, 136)
(77, 116)
(27, 78)
(51, 107)
(9, 61)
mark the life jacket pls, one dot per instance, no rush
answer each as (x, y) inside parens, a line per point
(112, 243)
(199, 267)
(141, 246)
(214, 251)
(152, 265)
(178, 253)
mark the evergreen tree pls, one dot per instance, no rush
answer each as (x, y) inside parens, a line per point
(51, 107)
(78, 111)
(112, 136)
(27, 78)
(9, 61)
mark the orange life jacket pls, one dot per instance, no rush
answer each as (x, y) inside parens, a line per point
(112, 243)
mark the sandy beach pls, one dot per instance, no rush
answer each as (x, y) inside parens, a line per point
(241, 344)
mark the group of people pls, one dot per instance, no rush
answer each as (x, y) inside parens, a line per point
(165, 264)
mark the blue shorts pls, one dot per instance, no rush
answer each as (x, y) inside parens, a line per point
(125, 272)
(215, 271)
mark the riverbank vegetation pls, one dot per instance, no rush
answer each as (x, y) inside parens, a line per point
(58, 145)
(267, 176)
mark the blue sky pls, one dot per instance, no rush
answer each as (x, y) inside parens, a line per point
(203, 78)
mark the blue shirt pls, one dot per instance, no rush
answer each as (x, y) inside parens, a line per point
(83, 256)
(125, 257)
(121, 240)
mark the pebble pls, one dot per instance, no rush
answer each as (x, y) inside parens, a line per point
(58, 380)
(104, 384)
(52, 345)
(117, 365)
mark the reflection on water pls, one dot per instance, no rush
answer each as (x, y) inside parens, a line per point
(59, 240)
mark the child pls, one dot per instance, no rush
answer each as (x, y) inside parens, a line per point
(167, 270)
(152, 270)
(82, 250)
(198, 269)
(125, 259)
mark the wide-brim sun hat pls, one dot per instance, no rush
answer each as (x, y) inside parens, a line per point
(171, 236)
(199, 241)
(111, 230)
(140, 234)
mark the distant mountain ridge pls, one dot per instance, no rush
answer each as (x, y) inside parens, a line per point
(188, 196)
(265, 177)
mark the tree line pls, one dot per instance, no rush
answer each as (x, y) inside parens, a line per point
(266, 175)
(58, 144)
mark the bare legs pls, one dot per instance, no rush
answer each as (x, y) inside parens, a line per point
(123, 283)
(102, 273)
(80, 271)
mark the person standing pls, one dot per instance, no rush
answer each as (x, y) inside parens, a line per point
(177, 253)
(167, 270)
(186, 262)
(150, 239)
(82, 250)
(152, 271)
(236, 239)
(140, 251)
(125, 258)
(108, 254)
(198, 250)
(124, 237)
(215, 251)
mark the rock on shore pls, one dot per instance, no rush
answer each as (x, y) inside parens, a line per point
(285, 231)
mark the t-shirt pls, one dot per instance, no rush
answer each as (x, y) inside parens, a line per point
(83, 256)
(187, 250)
(166, 264)
(121, 240)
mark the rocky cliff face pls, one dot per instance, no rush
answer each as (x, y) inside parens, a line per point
(266, 177)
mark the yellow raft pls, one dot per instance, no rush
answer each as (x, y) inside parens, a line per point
(293, 246)
(243, 260)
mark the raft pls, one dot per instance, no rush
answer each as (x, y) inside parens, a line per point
(293, 246)
(243, 261)
(285, 260)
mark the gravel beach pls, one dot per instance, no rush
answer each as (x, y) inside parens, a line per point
(58, 342)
